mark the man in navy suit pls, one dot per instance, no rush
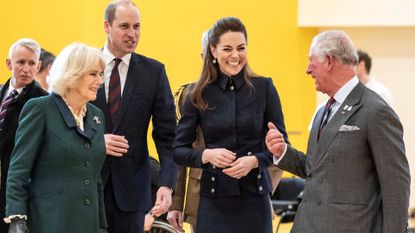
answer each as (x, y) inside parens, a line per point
(145, 94)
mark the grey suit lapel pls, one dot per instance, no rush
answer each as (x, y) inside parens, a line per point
(312, 142)
(332, 128)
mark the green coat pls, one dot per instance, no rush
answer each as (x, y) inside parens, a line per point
(54, 175)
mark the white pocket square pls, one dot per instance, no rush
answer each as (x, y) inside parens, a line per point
(349, 128)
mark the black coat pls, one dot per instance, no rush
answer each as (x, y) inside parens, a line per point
(236, 120)
(8, 132)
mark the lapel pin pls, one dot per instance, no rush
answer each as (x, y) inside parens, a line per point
(350, 108)
(96, 119)
(345, 107)
(343, 112)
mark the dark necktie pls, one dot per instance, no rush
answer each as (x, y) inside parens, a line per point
(114, 92)
(6, 103)
(326, 114)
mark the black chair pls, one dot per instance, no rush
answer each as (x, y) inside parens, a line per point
(287, 198)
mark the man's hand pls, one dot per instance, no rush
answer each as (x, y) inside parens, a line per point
(175, 218)
(218, 157)
(241, 167)
(163, 201)
(275, 140)
(116, 145)
(148, 222)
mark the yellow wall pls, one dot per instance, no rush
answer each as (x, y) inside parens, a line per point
(171, 33)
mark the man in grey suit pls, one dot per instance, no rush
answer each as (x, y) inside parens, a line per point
(357, 175)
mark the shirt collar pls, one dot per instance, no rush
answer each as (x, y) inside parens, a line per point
(11, 88)
(345, 90)
(237, 79)
(109, 57)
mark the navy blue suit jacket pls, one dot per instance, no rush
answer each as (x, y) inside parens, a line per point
(146, 96)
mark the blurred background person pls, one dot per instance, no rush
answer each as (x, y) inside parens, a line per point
(363, 73)
(54, 178)
(186, 197)
(23, 62)
(232, 106)
(46, 60)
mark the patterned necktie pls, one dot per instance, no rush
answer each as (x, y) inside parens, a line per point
(6, 103)
(114, 92)
(326, 114)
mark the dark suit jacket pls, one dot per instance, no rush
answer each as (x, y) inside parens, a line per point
(8, 133)
(146, 96)
(236, 121)
(54, 175)
(357, 174)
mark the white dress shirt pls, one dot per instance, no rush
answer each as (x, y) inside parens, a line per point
(122, 69)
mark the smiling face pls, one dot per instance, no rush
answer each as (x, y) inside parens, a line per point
(231, 52)
(88, 84)
(24, 65)
(123, 32)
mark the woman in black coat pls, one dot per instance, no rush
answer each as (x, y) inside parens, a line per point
(232, 106)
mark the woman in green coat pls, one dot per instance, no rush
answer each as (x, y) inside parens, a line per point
(54, 181)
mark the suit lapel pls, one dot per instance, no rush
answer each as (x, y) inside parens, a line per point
(101, 103)
(345, 111)
(130, 83)
(312, 142)
(3, 90)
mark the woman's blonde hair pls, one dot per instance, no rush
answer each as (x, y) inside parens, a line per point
(71, 64)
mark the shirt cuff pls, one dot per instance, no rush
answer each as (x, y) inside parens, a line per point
(277, 160)
(9, 218)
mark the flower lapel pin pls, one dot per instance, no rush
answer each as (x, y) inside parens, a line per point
(96, 120)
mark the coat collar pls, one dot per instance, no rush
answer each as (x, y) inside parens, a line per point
(237, 80)
(22, 95)
(89, 123)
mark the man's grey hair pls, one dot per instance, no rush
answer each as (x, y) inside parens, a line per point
(109, 14)
(28, 43)
(337, 44)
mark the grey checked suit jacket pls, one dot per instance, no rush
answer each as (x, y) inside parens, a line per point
(357, 175)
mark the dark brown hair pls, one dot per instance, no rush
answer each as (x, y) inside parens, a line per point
(210, 70)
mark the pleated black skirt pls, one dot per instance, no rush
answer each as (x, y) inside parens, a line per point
(246, 213)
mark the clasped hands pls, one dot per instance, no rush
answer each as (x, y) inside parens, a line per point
(233, 167)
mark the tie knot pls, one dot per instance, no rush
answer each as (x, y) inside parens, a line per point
(117, 62)
(13, 94)
(329, 103)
